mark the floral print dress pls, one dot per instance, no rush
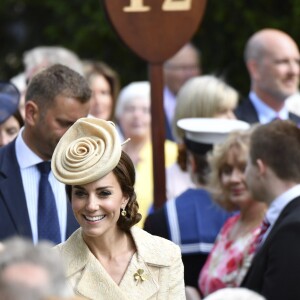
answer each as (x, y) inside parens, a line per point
(229, 260)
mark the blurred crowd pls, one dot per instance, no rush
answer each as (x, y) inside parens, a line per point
(231, 168)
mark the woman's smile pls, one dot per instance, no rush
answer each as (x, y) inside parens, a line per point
(94, 219)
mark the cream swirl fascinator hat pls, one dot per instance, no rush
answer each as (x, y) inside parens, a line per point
(89, 150)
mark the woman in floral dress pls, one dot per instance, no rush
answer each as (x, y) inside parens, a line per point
(234, 248)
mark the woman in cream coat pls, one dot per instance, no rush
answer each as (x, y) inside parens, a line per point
(108, 257)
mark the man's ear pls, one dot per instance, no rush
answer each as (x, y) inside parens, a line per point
(252, 67)
(31, 112)
(262, 167)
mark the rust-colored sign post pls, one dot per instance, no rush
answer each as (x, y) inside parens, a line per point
(155, 30)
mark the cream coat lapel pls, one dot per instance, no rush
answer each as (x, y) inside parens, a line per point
(138, 288)
(95, 283)
(150, 260)
(85, 273)
(89, 279)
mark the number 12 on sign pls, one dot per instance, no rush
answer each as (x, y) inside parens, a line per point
(168, 5)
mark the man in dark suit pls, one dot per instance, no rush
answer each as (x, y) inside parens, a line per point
(272, 59)
(273, 177)
(55, 99)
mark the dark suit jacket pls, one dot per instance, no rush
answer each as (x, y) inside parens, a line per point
(14, 218)
(247, 112)
(275, 269)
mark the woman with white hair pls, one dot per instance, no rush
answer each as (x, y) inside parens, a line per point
(234, 294)
(134, 118)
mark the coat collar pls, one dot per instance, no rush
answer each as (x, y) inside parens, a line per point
(147, 249)
(93, 280)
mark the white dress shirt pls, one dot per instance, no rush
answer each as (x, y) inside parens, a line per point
(278, 205)
(27, 161)
(265, 113)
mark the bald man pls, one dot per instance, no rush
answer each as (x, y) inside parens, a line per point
(185, 64)
(272, 59)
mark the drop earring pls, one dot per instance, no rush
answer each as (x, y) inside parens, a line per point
(123, 212)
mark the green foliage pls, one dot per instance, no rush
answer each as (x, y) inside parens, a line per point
(82, 27)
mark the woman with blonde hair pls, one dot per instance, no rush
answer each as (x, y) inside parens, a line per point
(231, 256)
(204, 97)
(192, 220)
(200, 97)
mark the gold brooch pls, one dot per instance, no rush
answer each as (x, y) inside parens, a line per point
(138, 276)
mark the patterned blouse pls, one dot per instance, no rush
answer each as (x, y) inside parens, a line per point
(229, 260)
